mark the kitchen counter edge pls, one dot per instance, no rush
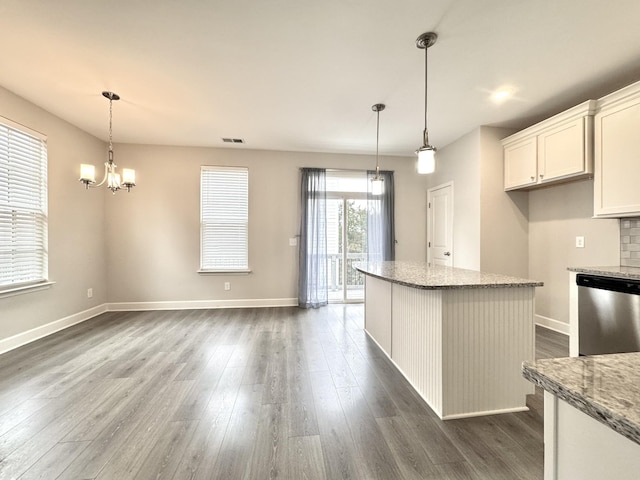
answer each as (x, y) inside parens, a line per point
(421, 276)
(609, 271)
(613, 417)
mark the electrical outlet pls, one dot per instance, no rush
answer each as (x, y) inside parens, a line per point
(580, 242)
(293, 241)
(227, 286)
(89, 292)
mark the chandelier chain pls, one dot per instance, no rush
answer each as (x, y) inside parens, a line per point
(110, 122)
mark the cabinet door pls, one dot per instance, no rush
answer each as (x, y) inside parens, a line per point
(520, 164)
(561, 152)
(617, 159)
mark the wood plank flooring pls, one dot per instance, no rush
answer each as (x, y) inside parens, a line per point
(241, 394)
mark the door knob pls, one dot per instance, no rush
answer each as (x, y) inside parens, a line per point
(447, 254)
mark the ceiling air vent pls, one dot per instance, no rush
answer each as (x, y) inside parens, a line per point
(232, 140)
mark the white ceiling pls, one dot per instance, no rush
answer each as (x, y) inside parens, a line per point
(302, 75)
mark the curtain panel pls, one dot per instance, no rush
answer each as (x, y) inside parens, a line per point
(313, 291)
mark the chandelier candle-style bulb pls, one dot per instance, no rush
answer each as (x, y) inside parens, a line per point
(113, 182)
(87, 174)
(128, 178)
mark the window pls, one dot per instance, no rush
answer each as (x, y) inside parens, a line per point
(23, 206)
(224, 219)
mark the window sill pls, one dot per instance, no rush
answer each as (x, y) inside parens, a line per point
(34, 287)
(224, 272)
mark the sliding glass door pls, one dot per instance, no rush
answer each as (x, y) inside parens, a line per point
(346, 245)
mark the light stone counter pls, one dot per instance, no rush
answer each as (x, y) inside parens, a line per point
(436, 277)
(609, 271)
(591, 416)
(605, 387)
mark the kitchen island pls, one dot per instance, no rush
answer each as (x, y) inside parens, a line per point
(458, 336)
(591, 416)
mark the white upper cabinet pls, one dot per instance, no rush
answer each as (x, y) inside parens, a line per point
(617, 154)
(520, 163)
(555, 150)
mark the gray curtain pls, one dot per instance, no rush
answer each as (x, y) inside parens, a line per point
(312, 278)
(381, 237)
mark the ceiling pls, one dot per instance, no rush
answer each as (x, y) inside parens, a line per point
(302, 75)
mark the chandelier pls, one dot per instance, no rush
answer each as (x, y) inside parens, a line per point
(111, 177)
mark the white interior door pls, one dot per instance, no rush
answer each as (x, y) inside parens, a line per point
(440, 225)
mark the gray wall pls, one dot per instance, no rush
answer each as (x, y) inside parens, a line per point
(490, 227)
(153, 234)
(151, 237)
(459, 162)
(557, 215)
(504, 228)
(76, 224)
(144, 246)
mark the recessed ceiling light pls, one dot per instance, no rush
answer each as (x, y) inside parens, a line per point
(501, 94)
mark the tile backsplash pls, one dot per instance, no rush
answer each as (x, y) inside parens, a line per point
(630, 242)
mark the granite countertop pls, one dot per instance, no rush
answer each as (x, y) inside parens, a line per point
(605, 387)
(436, 277)
(610, 271)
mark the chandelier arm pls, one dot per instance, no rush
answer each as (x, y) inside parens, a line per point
(106, 174)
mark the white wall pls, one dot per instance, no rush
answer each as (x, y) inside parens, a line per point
(557, 215)
(76, 225)
(153, 233)
(460, 162)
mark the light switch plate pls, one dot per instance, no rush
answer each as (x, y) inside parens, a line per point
(293, 241)
(580, 242)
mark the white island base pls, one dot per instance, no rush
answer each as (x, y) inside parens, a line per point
(461, 348)
(578, 447)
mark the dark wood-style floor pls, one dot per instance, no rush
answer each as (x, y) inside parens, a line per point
(241, 394)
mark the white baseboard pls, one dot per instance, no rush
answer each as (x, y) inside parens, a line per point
(203, 304)
(552, 324)
(10, 343)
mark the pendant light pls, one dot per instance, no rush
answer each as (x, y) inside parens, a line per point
(111, 177)
(377, 182)
(426, 153)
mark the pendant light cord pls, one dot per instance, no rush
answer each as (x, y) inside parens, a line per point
(426, 80)
(377, 141)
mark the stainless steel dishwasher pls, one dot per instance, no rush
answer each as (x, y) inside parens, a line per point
(608, 315)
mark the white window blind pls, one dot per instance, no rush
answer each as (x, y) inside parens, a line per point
(224, 219)
(23, 206)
